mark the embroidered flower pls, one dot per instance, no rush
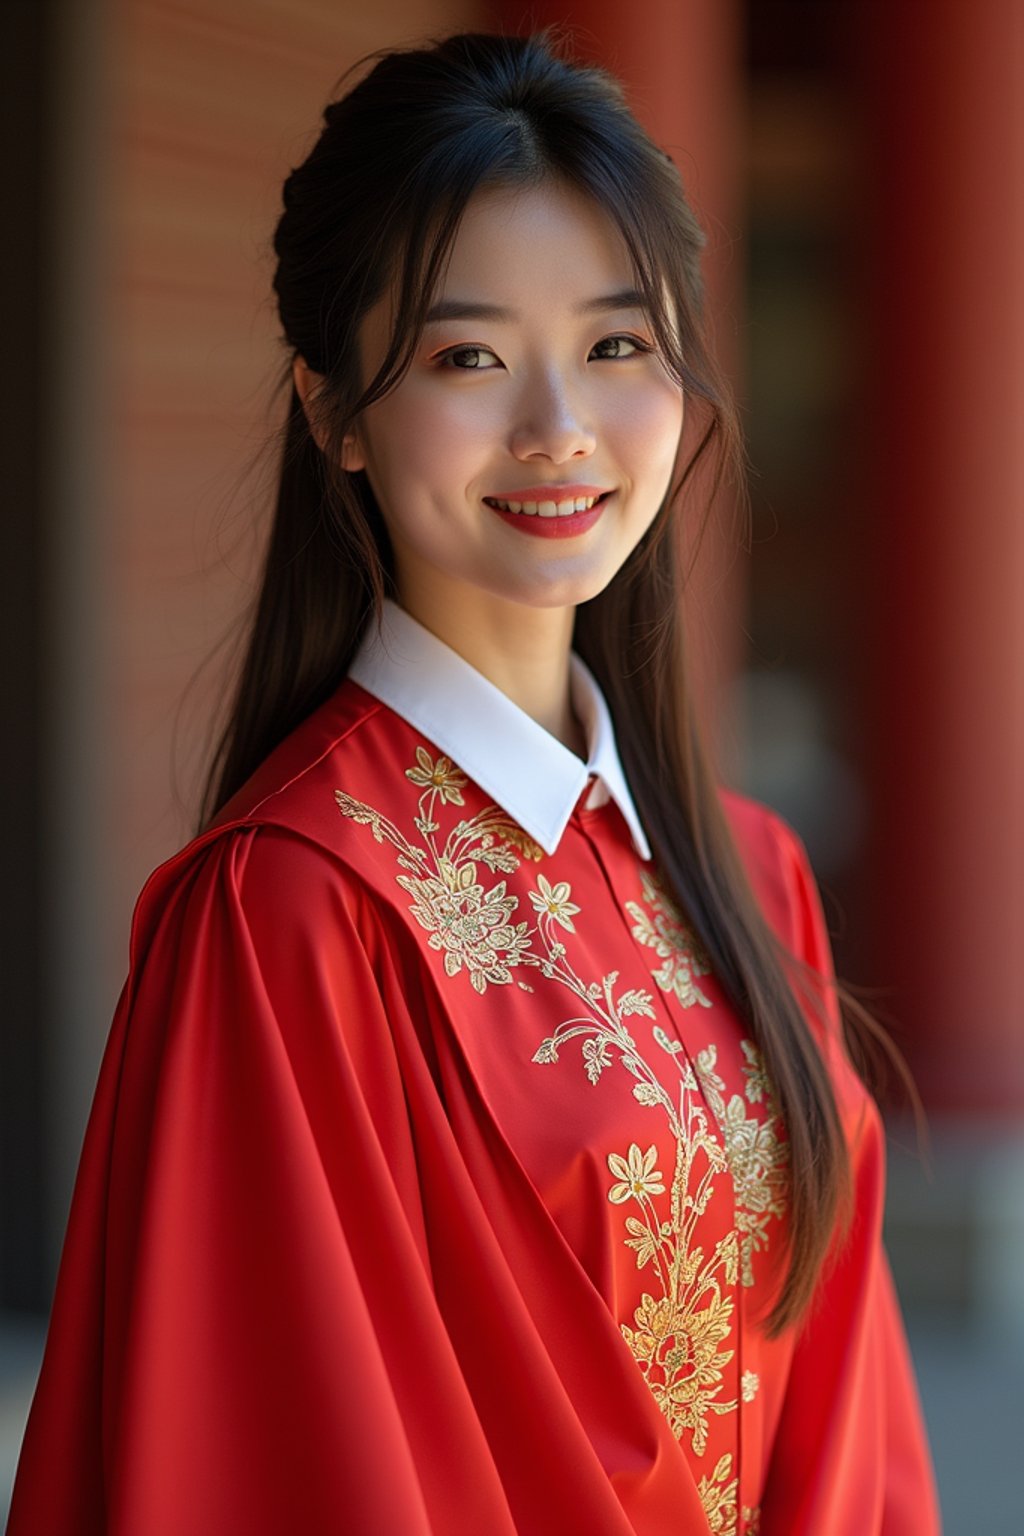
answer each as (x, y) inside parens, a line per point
(441, 775)
(655, 1322)
(638, 1176)
(759, 1087)
(718, 1496)
(471, 926)
(663, 930)
(554, 902)
(757, 1155)
(749, 1383)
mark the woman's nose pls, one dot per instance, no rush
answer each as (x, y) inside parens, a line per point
(551, 425)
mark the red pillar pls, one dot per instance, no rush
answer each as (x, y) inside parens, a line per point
(944, 520)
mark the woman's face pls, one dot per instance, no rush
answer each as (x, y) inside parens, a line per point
(533, 439)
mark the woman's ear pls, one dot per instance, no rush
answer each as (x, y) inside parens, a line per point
(308, 385)
(352, 455)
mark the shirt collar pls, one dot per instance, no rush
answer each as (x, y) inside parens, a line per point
(517, 762)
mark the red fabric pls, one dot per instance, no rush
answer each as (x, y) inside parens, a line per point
(350, 1246)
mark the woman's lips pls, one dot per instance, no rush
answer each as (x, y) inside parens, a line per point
(565, 518)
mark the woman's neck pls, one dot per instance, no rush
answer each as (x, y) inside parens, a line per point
(523, 651)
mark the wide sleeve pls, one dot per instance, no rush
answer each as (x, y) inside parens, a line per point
(850, 1454)
(244, 1338)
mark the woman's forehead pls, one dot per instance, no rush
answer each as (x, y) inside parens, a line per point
(540, 242)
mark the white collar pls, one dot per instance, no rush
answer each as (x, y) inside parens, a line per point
(517, 762)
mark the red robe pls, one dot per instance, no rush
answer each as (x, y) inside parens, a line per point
(432, 1186)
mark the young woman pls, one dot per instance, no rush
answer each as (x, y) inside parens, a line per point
(476, 1151)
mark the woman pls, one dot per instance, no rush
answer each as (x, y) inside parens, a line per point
(475, 1150)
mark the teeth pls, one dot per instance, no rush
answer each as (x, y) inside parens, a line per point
(545, 508)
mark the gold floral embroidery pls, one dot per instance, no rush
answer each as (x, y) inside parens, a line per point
(757, 1156)
(679, 1330)
(678, 1335)
(639, 1176)
(664, 931)
(749, 1383)
(751, 1520)
(718, 1495)
(555, 902)
(442, 776)
(472, 927)
(759, 1088)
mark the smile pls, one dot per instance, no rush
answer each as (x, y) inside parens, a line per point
(564, 508)
(567, 517)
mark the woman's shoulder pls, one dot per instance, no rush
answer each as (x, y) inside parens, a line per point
(280, 842)
(241, 885)
(342, 732)
(779, 870)
(771, 849)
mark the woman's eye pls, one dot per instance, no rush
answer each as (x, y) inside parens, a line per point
(618, 346)
(468, 357)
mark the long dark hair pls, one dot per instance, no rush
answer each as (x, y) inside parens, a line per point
(377, 203)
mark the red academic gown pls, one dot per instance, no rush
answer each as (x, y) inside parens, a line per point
(433, 1186)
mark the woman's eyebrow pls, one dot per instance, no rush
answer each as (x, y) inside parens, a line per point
(626, 298)
(466, 309)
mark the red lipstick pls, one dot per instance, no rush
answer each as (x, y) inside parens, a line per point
(569, 525)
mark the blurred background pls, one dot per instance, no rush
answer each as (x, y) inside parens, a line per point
(859, 168)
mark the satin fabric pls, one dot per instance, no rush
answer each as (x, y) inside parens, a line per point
(350, 1248)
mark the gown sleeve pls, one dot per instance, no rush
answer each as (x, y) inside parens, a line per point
(244, 1339)
(851, 1453)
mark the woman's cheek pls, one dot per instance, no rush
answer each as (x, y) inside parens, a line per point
(644, 431)
(455, 420)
